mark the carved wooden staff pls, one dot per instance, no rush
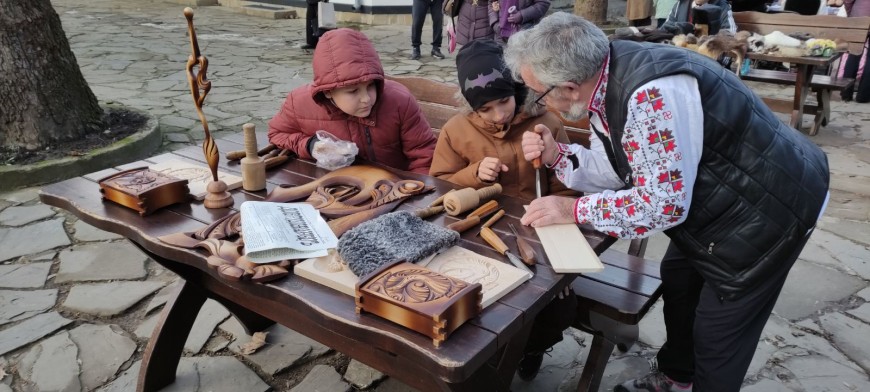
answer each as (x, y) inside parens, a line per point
(217, 196)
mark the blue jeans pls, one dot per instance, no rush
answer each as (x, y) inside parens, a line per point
(419, 9)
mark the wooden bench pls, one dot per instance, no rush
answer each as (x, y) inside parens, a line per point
(852, 31)
(611, 303)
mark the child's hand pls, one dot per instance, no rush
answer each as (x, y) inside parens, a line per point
(489, 168)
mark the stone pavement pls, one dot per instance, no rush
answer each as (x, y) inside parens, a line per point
(77, 305)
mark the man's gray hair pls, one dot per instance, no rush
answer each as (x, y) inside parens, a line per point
(561, 48)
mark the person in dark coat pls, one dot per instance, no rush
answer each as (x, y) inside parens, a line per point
(312, 30)
(419, 9)
(681, 146)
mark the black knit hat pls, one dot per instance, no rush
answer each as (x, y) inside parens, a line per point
(483, 75)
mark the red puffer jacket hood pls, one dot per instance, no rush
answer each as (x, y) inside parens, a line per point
(344, 57)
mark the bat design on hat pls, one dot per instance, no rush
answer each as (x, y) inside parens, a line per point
(482, 80)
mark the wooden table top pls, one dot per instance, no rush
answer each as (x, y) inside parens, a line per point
(457, 358)
(815, 61)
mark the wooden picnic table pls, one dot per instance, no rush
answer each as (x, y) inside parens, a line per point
(805, 69)
(481, 355)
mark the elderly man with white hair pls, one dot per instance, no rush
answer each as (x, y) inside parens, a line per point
(679, 145)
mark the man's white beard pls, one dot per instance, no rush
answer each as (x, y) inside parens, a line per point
(575, 112)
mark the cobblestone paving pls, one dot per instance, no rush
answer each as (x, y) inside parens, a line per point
(77, 305)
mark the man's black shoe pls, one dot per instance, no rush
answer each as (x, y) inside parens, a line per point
(436, 52)
(529, 365)
(415, 53)
(307, 47)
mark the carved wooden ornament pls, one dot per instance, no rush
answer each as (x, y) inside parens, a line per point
(218, 196)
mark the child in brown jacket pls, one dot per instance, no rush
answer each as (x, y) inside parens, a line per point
(483, 145)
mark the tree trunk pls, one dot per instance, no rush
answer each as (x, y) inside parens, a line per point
(594, 11)
(44, 99)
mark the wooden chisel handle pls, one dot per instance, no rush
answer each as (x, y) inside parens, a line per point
(484, 210)
(494, 219)
(527, 252)
(464, 224)
(474, 217)
(493, 240)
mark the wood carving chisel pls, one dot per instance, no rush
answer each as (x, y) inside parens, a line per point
(493, 240)
(536, 163)
(527, 253)
(474, 217)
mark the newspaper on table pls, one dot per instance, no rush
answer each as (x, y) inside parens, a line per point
(283, 231)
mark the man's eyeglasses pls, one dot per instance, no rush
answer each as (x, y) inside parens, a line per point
(541, 97)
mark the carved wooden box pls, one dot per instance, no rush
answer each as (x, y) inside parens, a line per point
(143, 190)
(419, 298)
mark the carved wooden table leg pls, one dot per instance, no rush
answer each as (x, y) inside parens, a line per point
(596, 361)
(251, 321)
(167, 341)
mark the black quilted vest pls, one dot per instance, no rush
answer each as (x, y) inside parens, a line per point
(760, 185)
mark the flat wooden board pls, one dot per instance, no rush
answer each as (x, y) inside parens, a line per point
(567, 249)
(496, 277)
(198, 176)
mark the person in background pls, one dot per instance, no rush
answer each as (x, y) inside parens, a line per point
(516, 15)
(638, 12)
(350, 99)
(663, 9)
(480, 146)
(419, 9)
(682, 14)
(312, 29)
(689, 150)
(476, 20)
(856, 8)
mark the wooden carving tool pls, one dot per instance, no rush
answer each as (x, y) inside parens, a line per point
(280, 158)
(465, 199)
(536, 163)
(493, 240)
(239, 154)
(253, 167)
(527, 253)
(440, 200)
(424, 213)
(474, 217)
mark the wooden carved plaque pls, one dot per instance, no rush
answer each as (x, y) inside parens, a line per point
(419, 298)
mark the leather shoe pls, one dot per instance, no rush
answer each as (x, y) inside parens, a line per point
(436, 52)
(529, 365)
(415, 53)
(307, 47)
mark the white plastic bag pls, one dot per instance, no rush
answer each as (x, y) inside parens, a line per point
(326, 16)
(331, 152)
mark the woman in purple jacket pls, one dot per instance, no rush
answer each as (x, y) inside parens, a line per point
(516, 15)
(481, 19)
